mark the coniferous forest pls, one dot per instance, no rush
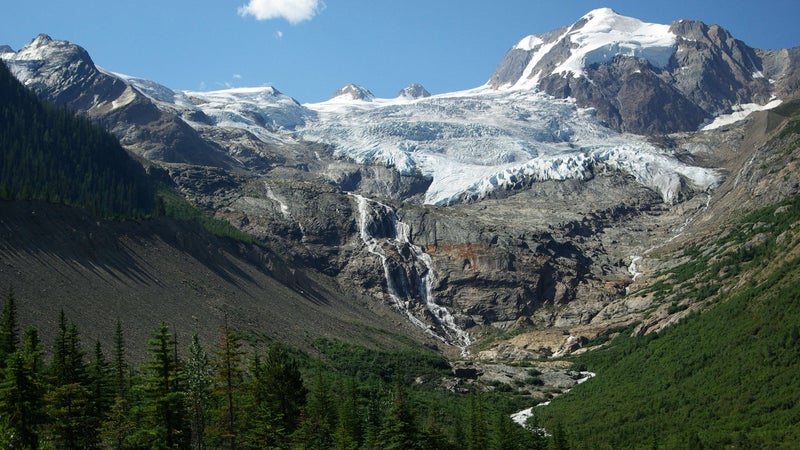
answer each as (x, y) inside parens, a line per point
(50, 154)
(67, 395)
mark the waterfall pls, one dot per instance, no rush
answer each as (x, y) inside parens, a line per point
(380, 230)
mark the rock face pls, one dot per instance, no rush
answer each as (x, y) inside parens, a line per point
(782, 66)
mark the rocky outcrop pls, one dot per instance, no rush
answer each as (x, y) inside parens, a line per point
(715, 71)
(414, 91)
(376, 181)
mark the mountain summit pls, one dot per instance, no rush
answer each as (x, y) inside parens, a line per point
(352, 91)
(641, 77)
(414, 91)
(597, 38)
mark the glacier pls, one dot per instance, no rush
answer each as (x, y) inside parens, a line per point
(474, 142)
(468, 143)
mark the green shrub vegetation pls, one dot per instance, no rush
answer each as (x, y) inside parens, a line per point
(169, 203)
(725, 377)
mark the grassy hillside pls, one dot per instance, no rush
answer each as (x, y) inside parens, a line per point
(726, 376)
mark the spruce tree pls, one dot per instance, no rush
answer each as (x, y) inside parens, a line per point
(118, 426)
(100, 388)
(319, 418)
(283, 387)
(9, 339)
(167, 424)
(264, 425)
(400, 430)
(477, 431)
(198, 391)
(347, 435)
(21, 396)
(120, 365)
(536, 437)
(69, 402)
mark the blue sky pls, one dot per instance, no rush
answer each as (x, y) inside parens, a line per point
(310, 48)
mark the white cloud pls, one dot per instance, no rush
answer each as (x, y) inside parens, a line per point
(237, 76)
(279, 35)
(295, 11)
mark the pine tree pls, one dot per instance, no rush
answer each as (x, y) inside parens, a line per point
(198, 391)
(167, 425)
(9, 339)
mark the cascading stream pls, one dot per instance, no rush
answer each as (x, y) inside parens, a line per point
(378, 227)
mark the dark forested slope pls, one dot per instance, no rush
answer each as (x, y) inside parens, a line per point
(47, 153)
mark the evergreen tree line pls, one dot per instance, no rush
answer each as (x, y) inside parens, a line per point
(47, 153)
(226, 398)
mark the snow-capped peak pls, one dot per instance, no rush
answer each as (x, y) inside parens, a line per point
(603, 34)
(40, 41)
(529, 43)
(597, 37)
(414, 91)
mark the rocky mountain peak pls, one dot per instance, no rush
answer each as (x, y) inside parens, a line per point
(352, 91)
(40, 40)
(414, 91)
(6, 49)
(59, 71)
